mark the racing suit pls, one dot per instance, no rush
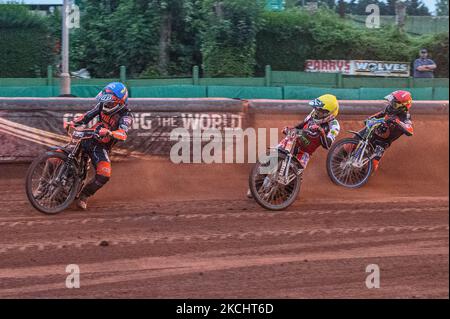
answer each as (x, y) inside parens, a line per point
(395, 126)
(98, 149)
(323, 134)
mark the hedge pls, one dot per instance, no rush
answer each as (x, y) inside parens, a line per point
(26, 44)
(289, 38)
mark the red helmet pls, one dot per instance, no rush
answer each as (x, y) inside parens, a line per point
(399, 101)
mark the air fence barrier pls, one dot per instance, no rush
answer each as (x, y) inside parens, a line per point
(30, 125)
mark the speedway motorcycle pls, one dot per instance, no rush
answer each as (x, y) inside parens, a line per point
(349, 161)
(57, 177)
(275, 181)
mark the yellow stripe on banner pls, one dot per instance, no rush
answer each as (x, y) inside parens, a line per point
(31, 136)
(45, 138)
(33, 130)
(24, 138)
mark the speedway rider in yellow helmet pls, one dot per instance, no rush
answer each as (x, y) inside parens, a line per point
(320, 128)
(320, 125)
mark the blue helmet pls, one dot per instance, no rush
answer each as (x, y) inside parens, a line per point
(113, 97)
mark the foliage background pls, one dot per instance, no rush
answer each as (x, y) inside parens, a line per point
(166, 38)
(289, 38)
(26, 44)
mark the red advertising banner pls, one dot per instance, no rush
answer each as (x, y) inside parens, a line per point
(328, 66)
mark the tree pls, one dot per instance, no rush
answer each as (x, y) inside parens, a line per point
(27, 43)
(107, 38)
(178, 22)
(387, 7)
(341, 7)
(298, 3)
(442, 7)
(329, 3)
(416, 8)
(289, 38)
(358, 7)
(229, 36)
(150, 37)
(390, 7)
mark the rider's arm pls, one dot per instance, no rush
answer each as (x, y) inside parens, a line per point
(378, 115)
(125, 123)
(328, 139)
(300, 125)
(405, 125)
(88, 116)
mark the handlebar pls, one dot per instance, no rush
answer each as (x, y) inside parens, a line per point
(300, 131)
(372, 122)
(81, 133)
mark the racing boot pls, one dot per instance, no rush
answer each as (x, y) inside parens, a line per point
(377, 154)
(82, 202)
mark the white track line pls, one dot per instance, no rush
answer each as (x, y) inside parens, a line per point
(151, 217)
(151, 239)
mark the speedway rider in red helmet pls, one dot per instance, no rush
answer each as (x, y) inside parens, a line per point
(114, 122)
(398, 123)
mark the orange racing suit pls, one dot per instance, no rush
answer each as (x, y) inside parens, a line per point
(117, 126)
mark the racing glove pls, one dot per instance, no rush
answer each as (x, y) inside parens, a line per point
(67, 125)
(102, 132)
(317, 128)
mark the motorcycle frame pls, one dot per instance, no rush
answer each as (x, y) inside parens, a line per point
(75, 157)
(288, 151)
(364, 142)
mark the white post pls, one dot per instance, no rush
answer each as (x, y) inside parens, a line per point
(65, 76)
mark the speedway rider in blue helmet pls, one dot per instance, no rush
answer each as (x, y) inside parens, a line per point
(114, 121)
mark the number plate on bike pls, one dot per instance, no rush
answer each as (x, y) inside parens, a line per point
(78, 134)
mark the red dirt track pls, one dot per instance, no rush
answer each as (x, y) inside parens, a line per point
(160, 230)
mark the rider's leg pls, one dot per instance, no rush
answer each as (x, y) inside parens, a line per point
(102, 164)
(303, 158)
(378, 153)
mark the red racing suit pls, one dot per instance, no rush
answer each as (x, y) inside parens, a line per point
(396, 125)
(323, 134)
(98, 150)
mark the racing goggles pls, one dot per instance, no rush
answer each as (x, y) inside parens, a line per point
(109, 101)
(319, 112)
(401, 106)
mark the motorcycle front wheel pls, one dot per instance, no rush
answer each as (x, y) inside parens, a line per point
(266, 189)
(340, 168)
(51, 183)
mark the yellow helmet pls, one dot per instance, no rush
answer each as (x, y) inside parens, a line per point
(326, 108)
